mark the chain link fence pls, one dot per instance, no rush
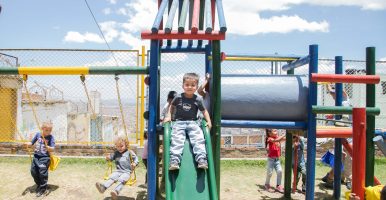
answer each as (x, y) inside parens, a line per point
(63, 100)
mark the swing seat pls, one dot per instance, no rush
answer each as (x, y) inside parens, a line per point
(54, 162)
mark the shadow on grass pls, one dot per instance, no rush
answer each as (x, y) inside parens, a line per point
(32, 189)
(120, 198)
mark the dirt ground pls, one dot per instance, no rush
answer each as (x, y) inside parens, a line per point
(77, 181)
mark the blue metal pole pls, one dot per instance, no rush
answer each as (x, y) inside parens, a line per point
(172, 13)
(208, 50)
(338, 141)
(264, 124)
(297, 63)
(221, 17)
(152, 133)
(158, 18)
(179, 42)
(180, 49)
(311, 135)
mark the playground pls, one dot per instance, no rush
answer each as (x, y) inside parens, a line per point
(284, 107)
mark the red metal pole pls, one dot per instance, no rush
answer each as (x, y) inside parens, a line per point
(359, 152)
(196, 14)
(338, 78)
(334, 133)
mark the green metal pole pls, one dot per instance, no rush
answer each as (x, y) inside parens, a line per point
(288, 158)
(342, 110)
(216, 95)
(370, 119)
(212, 178)
(168, 187)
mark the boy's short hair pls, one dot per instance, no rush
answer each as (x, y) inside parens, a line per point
(193, 76)
(383, 193)
(122, 138)
(172, 94)
(47, 124)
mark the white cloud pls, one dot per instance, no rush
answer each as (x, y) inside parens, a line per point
(109, 30)
(383, 59)
(112, 1)
(142, 15)
(276, 24)
(73, 36)
(279, 5)
(133, 41)
(106, 11)
(122, 11)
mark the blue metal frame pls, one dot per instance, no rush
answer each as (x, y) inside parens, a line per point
(297, 63)
(153, 113)
(178, 49)
(264, 124)
(338, 141)
(311, 135)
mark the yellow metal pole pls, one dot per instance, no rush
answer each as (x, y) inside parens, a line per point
(136, 107)
(142, 121)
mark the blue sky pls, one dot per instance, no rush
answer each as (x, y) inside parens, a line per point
(340, 27)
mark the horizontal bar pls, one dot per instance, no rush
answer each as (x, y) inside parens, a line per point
(264, 124)
(200, 35)
(230, 58)
(188, 49)
(63, 70)
(339, 78)
(297, 63)
(342, 110)
(334, 133)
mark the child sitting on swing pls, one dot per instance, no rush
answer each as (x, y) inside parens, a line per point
(125, 160)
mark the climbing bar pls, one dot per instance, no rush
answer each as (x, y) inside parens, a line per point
(264, 124)
(184, 13)
(200, 35)
(196, 14)
(273, 57)
(297, 63)
(63, 70)
(208, 17)
(172, 13)
(342, 110)
(334, 133)
(158, 18)
(221, 18)
(338, 78)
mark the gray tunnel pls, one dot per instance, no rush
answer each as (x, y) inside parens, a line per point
(264, 97)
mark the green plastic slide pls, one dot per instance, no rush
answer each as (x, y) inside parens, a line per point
(189, 182)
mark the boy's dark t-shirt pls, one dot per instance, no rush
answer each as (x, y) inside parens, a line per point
(187, 108)
(40, 148)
